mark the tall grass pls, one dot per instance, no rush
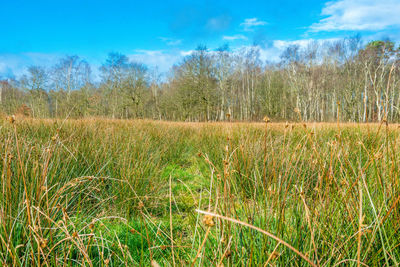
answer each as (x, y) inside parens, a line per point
(100, 192)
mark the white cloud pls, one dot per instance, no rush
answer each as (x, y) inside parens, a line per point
(281, 44)
(302, 43)
(249, 24)
(156, 58)
(163, 59)
(11, 65)
(170, 41)
(17, 64)
(3, 67)
(186, 53)
(273, 52)
(234, 37)
(359, 15)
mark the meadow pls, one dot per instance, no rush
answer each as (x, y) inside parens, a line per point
(101, 192)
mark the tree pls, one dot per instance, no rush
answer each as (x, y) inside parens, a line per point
(70, 74)
(196, 83)
(114, 71)
(223, 69)
(35, 84)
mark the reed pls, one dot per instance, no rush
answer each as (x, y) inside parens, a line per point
(98, 192)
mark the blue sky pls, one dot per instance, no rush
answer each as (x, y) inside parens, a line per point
(161, 32)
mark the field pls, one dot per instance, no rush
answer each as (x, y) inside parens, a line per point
(99, 192)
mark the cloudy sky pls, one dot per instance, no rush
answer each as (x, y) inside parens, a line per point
(162, 32)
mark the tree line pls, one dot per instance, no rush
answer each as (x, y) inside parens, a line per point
(341, 79)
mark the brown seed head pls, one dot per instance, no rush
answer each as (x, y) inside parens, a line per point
(43, 243)
(208, 220)
(140, 205)
(11, 119)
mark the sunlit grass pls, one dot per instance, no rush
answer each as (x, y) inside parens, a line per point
(100, 192)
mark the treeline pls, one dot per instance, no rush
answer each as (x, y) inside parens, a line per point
(321, 82)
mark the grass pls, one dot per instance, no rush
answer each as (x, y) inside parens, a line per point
(99, 192)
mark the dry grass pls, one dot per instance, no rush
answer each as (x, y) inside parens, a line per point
(102, 192)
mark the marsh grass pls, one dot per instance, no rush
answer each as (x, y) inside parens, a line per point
(99, 192)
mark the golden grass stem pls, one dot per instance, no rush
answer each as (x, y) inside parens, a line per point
(360, 221)
(261, 231)
(170, 221)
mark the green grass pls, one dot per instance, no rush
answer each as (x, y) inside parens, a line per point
(100, 192)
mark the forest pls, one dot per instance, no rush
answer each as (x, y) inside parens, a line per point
(342, 80)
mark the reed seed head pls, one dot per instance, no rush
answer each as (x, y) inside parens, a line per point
(140, 205)
(11, 119)
(43, 243)
(208, 220)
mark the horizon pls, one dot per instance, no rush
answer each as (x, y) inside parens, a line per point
(161, 34)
